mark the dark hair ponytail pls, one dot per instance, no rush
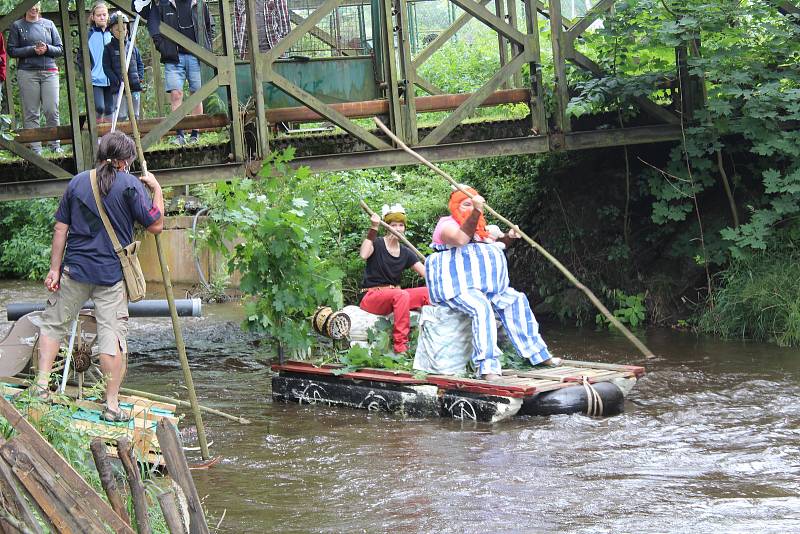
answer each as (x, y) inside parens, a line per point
(114, 147)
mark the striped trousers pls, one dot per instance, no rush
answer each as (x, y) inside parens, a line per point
(517, 319)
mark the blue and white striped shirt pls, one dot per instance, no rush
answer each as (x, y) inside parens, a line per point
(451, 270)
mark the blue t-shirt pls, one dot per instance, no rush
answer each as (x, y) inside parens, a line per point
(90, 255)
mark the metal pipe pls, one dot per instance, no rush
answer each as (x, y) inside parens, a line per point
(143, 308)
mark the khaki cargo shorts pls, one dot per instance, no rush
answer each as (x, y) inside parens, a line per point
(110, 311)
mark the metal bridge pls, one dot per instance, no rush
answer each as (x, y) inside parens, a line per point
(339, 80)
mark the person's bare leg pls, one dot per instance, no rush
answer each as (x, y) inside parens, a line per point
(48, 350)
(175, 99)
(113, 367)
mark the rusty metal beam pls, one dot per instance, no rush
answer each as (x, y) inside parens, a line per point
(471, 104)
(371, 108)
(62, 133)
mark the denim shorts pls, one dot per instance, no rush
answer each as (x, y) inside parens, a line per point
(187, 67)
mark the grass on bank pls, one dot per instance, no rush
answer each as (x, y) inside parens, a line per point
(757, 298)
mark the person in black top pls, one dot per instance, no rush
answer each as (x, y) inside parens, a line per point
(179, 65)
(386, 260)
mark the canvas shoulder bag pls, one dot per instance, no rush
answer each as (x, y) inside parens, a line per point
(128, 256)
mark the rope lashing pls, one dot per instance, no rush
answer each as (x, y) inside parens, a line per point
(594, 404)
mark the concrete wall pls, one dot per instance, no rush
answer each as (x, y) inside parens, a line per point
(177, 245)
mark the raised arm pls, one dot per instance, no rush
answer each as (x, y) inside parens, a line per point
(158, 201)
(367, 247)
(457, 236)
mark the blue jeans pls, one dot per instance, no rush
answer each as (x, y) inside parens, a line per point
(103, 101)
(187, 68)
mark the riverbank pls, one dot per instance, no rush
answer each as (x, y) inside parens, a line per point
(707, 443)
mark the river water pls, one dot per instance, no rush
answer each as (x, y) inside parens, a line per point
(709, 442)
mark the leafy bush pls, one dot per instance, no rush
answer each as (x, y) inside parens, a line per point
(757, 297)
(277, 250)
(26, 233)
(630, 309)
(463, 65)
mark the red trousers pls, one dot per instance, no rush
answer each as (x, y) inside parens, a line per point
(400, 302)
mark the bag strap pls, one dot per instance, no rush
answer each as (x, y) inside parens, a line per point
(100, 208)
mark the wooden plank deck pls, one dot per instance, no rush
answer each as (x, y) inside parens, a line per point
(515, 383)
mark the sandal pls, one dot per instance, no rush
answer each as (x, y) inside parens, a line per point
(551, 362)
(115, 417)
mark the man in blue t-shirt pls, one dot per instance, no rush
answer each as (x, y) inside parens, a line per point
(89, 268)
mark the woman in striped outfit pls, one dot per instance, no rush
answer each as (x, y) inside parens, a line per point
(469, 273)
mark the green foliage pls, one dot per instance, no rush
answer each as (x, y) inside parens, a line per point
(360, 357)
(743, 55)
(757, 297)
(630, 309)
(26, 233)
(379, 353)
(463, 65)
(277, 250)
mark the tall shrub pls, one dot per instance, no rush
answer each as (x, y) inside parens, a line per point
(271, 222)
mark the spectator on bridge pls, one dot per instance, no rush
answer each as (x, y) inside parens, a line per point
(386, 259)
(179, 64)
(272, 24)
(112, 65)
(468, 272)
(90, 268)
(99, 37)
(35, 42)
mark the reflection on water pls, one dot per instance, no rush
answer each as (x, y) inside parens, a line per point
(710, 442)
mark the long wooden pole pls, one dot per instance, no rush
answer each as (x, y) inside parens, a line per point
(552, 259)
(176, 325)
(392, 231)
(162, 398)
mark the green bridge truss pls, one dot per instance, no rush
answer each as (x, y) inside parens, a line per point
(343, 61)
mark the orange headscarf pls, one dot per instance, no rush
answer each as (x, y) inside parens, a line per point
(456, 198)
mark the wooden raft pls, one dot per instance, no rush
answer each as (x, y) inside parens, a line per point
(515, 383)
(140, 430)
